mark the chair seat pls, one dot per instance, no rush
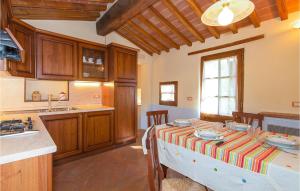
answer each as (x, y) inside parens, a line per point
(181, 184)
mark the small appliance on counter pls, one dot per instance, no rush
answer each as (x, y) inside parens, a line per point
(16, 127)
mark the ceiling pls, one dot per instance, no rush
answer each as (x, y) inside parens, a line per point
(172, 23)
(153, 25)
(88, 10)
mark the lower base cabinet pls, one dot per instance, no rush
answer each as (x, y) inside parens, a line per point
(97, 130)
(77, 133)
(66, 132)
(32, 174)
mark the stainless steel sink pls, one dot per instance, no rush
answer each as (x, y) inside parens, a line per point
(59, 109)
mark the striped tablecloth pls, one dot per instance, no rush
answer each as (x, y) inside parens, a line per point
(239, 149)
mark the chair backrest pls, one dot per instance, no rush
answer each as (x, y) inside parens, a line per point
(248, 118)
(155, 171)
(157, 117)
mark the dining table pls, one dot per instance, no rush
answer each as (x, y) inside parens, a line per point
(241, 162)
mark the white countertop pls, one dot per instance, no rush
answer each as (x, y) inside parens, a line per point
(14, 148)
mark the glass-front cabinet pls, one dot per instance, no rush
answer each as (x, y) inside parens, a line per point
(93, 62)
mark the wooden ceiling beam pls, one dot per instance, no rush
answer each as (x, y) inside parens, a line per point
(120, 13)
(44, 13)
(158, 31)
(94, 2)
(142, 40)
(170, 26)
(198, 11)
(282, 9)
(56, 5)
(147, 35)
(135, 42)
(183, 20)
(254, 19)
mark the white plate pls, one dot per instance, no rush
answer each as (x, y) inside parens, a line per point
(240, 126)
(182, 123)
(206, 135)
(281, 140)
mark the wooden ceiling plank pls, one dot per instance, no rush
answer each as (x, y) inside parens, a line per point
(120, 13)
(254, 19)
(141, 39)
(146, 34)
(143, 47)
(282, 9)
(183, 20)
(57, 5)
(198, 11)
(170, 26)
(158, 31)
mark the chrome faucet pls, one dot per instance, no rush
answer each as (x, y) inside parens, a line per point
(50, 102)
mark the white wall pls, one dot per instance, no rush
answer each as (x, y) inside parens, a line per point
(271, 69)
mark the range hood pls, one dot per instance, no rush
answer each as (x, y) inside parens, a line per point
(10, 48)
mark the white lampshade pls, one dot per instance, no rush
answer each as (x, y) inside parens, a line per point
(225, 12)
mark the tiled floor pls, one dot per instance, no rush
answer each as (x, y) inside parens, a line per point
(122, 169)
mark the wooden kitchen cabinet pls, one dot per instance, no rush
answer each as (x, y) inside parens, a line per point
(66, 132)
(57, 57)
(125, 112)
(25, 35)
(32, 174)
(122, 63)
(92, 59)
(98, 129)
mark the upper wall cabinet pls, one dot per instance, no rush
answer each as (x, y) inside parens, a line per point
(92, 62)
(25, 36)
(56, 58)
(122, 64)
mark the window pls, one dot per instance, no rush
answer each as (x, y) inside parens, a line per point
(221, 84)
(168, 93)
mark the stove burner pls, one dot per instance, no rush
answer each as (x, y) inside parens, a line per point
(9, 127)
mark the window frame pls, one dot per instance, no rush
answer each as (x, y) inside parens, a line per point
(239, 53)
(169, 103)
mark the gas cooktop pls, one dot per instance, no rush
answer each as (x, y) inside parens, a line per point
(16, 127)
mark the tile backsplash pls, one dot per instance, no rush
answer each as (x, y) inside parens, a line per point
(12, 95)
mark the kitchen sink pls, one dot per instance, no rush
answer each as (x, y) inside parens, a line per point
(59, 109)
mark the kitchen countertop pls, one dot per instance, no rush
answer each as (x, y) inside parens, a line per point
(14, 148)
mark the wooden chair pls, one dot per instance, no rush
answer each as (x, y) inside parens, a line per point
(248, 118)
(157, 117)
(157, 176)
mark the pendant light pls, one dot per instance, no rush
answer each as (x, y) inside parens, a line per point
(225, 12)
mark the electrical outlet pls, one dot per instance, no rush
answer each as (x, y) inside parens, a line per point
(295, 103)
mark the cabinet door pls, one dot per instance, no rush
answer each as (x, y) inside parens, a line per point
(98, 130)
(92, 61)
(66, 132)
(25, 36)
(125, 65)
(56, 58)
(125, 112)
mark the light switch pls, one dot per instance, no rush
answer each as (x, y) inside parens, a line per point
(295, 103)
(189, 98)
